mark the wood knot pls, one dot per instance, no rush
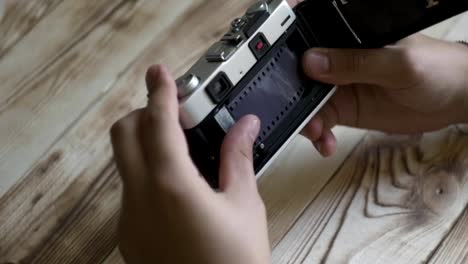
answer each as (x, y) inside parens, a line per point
(440, 192)
(45, 166)
(36, 199)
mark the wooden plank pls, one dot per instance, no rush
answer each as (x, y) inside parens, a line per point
(298, 177)
(44, 104)
(458, 31)
(45, 218)
(34, 209)
(69, 23)
(21, 73)
(20, 17)
(95, 217)
(392, 202)
(454, 249)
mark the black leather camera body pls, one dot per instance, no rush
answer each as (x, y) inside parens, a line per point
(256, 68)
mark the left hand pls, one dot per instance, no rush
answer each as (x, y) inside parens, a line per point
(170, 214)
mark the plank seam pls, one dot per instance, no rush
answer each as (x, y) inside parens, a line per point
(446, 236)
(338, 169)
(21, 89)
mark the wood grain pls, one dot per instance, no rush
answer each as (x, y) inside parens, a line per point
(70, 21)
(32, 210)
(19, 17)
(393, 201)
(454, 248)
(298, 177)
(43, 105)
(22, 73)
(87, 234)
(87, 70)
(60, 179)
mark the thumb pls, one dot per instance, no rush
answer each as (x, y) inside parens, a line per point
(348, 66)
(237, 174)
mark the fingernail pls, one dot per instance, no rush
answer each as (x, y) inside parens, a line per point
(253, 128)
(317, 62)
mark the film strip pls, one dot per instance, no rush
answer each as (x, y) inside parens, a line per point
(272, 94)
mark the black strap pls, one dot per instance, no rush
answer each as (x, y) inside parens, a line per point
(371, 23)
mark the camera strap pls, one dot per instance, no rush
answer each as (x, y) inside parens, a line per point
(371, 23)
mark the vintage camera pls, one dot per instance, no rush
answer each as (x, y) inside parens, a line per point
(256, 69)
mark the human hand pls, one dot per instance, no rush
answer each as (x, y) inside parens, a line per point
(293, 3)
(415, 86)
(169, 213)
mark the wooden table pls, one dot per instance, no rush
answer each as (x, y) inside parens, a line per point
(69, 69)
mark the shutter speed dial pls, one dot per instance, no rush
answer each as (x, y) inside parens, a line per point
(187, 84)
(261, 6)
(237, 24)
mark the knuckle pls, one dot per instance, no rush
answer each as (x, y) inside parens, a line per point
(153, 114)
(124, 126)
(155, 117)
(159, 112)
(356, 61)
(411, 62)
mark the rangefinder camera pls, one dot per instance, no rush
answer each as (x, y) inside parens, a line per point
(256, 69)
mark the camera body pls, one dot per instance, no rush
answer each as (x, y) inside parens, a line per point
(256, 69)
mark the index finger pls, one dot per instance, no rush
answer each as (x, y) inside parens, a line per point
(164, 140)
(166, 149)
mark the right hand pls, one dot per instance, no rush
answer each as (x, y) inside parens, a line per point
(169, 213)
(415, 86)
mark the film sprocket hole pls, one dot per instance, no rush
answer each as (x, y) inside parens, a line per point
(256, 69)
